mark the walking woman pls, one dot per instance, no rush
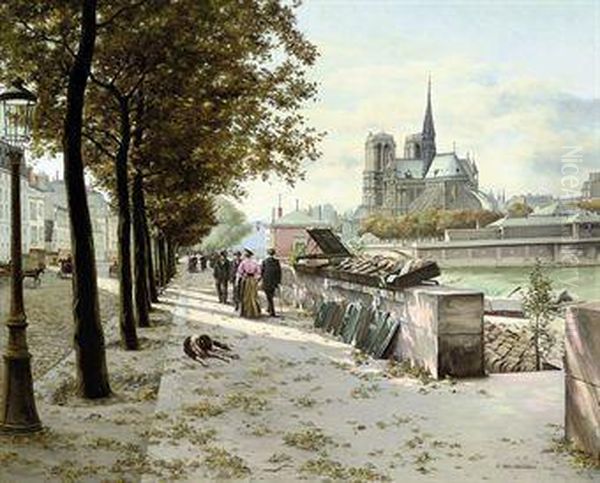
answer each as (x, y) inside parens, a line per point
(249, 275)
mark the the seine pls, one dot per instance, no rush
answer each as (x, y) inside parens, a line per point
(584, 282)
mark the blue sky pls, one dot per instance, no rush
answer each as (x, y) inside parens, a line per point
(514, 83)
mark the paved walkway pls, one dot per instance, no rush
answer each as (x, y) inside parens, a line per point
(300, 405)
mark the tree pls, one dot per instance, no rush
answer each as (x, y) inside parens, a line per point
(519, 209)
(53, 46)
(426, 224)
(540, 309)
(590, 205)
(232, 227)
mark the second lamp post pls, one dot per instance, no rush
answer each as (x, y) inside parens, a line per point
(18, 411)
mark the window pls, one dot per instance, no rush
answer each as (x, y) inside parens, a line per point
(32, 211)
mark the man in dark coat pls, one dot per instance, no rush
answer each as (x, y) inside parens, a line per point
(233, 278)
(221, 269)
(271, 278)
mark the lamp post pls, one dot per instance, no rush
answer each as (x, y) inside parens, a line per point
(18, 411)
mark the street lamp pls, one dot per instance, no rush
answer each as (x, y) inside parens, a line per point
(19, 414)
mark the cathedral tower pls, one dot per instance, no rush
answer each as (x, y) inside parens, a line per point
(428, 133)
(380, 149)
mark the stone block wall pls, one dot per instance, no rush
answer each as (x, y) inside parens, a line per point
(441, 328)
(582, 377)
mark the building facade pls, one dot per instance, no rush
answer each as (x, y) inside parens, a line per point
(45, 217)
(289, 233)
(591, 187)
(421, 178)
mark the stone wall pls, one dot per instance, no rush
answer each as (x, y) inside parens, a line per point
(582, 377)
(441, 328)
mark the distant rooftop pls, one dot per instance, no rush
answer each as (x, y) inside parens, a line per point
(299, 219)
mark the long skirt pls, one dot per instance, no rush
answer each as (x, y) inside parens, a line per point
(249, 298)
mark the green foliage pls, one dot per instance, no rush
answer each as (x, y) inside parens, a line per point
(519, 209)
(217, 103)
(299, 250)
(232, 227)
(590, 205)
(540, 308)
(426, 224)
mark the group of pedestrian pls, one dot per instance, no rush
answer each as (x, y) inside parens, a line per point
(247, 275)
(195, 259)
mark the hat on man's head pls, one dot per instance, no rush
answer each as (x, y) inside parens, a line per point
(224, 253)
(248, 252)
(237, 253)
(271, 251)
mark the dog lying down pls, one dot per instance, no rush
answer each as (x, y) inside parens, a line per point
(200, 347)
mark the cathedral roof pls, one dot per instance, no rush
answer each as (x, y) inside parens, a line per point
(447, 165)
(410, 168)
(463, 198)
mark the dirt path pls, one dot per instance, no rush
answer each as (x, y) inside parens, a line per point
(300, 405)
(296, 405)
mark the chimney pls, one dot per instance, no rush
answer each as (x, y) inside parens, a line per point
(279, 209)
(297, 204)
(320, 212)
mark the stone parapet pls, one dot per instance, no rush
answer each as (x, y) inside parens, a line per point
(441, 328)
(582, 373)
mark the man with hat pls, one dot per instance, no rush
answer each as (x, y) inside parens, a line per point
(271, 278)
(221, 269)
(233, 278)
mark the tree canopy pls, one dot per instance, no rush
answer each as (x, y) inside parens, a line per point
(232, 227)
(426, 224)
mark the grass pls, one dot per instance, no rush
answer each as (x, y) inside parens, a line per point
(578, 458)
(224, 464)
(279, 458)
(364, 391)
(311, 439)
(203, 410)
(395, 369)
(248, 403)
(327, 468)
(305, 402)
(359, 357)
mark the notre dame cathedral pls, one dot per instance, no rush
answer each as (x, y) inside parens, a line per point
(419, 180)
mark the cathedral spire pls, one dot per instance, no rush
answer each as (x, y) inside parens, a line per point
(428, 133)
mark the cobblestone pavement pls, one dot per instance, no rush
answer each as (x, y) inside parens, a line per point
(48, 309)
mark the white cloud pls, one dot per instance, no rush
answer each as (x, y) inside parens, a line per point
(516, 125)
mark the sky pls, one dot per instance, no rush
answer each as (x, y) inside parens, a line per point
(514, 83)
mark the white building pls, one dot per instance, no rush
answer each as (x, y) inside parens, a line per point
(36, 222)
(45, 217)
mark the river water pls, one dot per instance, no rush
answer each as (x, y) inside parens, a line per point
(584, 282)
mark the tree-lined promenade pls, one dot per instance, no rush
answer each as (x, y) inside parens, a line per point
(168, 105)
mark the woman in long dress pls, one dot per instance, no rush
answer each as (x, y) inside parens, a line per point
(249, 275)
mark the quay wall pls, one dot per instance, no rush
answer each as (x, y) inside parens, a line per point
(582, 378)
(502, 253)
(441, 328)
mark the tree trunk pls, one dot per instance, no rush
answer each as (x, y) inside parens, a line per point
(92, 375)
(536, 338)
(126, 316)
(162, 272)
(140, 245)
(152, 290)
(171, 260)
